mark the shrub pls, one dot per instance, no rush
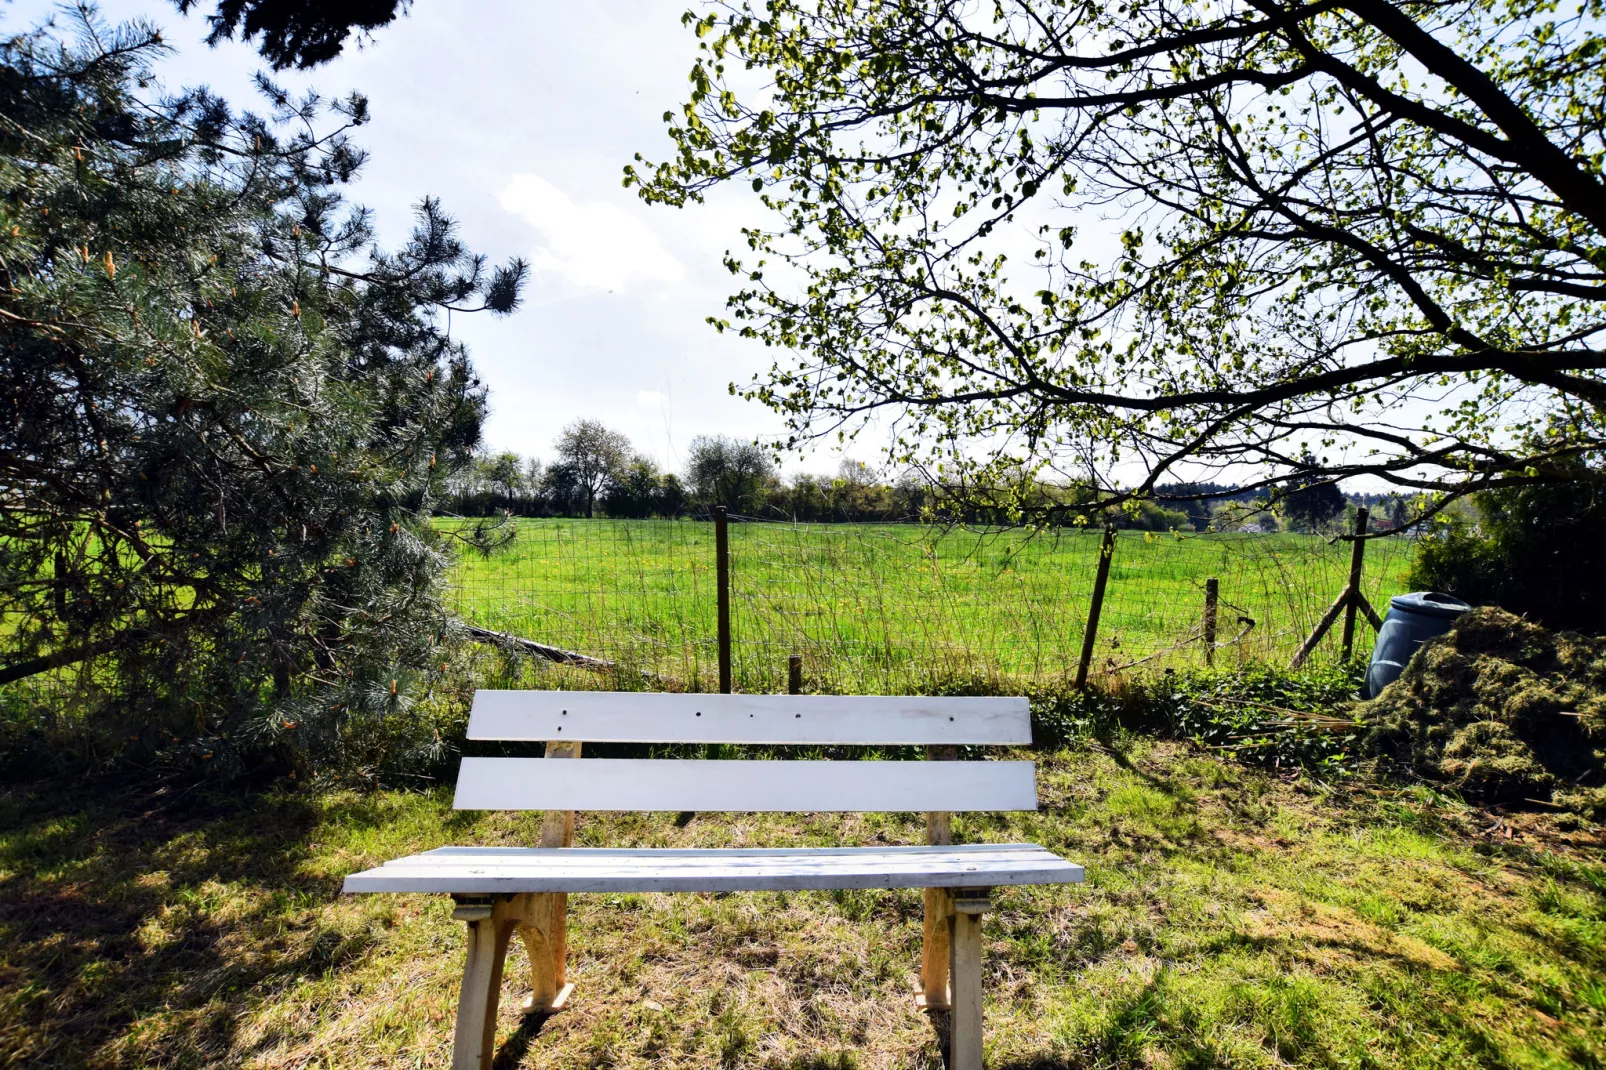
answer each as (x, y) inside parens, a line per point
(1536, 551)
(1262, 715)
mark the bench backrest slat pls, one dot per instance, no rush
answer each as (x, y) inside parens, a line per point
(714, 785)
(636, 717)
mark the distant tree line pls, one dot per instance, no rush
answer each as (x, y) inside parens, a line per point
(597, 472)
(1299, 505)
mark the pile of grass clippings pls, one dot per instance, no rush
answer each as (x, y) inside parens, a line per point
(1501, 710)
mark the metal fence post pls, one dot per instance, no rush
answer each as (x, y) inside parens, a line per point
(1106, 551)
(1356, 558)
(794, 674)
(1212, 596)
(722, 552)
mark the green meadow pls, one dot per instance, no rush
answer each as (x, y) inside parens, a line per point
(889, 607)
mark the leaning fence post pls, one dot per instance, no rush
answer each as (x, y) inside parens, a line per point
(1212, 596)
(1357, 555)
(722, 573)
(794, 674)
(1106, 551)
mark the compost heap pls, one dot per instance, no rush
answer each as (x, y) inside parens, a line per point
(1501, 710)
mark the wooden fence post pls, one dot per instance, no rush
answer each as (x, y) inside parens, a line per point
(794, 674)
(1106, 551)
(1349, 602)
(1212, 596)
(1357, 556)
(722, 570)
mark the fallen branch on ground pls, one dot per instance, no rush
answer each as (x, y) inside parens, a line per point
(559, 654)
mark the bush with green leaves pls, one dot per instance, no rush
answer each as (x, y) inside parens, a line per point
(1285, 719)
(226, 414)
(1538, 551)
(1267, 716)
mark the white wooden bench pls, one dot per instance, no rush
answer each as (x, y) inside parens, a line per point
(501, 890)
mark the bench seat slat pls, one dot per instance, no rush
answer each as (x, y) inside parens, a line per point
(601, 855)
(696, 862)
(709, 785)
(634, 717)
(516, 870)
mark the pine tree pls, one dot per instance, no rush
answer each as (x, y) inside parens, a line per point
(297, 33)
(226, 412)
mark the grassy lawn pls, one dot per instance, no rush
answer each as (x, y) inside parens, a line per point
(1229, 919)
(890, 608)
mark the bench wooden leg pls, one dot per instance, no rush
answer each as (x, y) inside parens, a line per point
(543, 924)
(544, 917)
(933, 994)
(964, 1041)
(488, 934)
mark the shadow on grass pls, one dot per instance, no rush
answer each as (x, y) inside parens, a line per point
(1110, 744)
(513, 1049)
(124, 913)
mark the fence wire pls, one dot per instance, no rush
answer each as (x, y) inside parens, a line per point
(897, 607)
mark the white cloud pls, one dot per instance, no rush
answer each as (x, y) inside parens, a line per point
(649, 399)
(591, 246)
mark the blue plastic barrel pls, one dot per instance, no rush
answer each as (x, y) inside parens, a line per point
(1412, 620)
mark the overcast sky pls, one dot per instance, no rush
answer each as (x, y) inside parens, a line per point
(520, 117)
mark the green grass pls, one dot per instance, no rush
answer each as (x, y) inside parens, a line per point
(1230, 919)
(893, 608)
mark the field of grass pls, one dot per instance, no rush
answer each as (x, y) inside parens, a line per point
(1230, 919)
(898, 607)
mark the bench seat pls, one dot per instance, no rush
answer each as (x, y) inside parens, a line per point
(519, 870)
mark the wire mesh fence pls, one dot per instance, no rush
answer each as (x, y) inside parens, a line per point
(899, 607)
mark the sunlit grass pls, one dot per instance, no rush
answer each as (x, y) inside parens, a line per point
(1229, 919)
(895, 607)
